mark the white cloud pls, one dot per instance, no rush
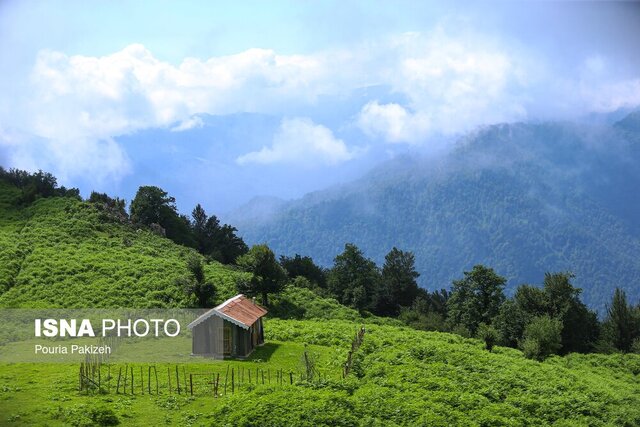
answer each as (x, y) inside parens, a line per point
(393, 122)
(447, 83)
(451, 84)
(302, 142)
(190, 123)
(96, 161)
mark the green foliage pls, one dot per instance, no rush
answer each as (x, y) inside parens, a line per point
(267, 276)
(59, 253)
(522, 198)
(35, 185)
(542, 338)
(196, 285)
(559, 300)
(303, 266)
(488, 334)
(104, 417)
(476, 298)
(153, 207)
(398, 282)
(354, 279)
(215, 241)
(622, 325)
(302, 303)
(114, 209)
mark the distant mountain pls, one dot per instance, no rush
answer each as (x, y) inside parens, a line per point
(522, 198)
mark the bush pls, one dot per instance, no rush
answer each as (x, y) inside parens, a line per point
(542, 337)
(488, 334)
(104, 417)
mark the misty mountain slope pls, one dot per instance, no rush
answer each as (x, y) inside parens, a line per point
(523, 198)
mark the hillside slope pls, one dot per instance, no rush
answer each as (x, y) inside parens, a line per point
(522, 198)
(59, 252)
(400, 377)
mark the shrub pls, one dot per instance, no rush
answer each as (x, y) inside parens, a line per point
(542, 337)
(104, 417)
(488, 334)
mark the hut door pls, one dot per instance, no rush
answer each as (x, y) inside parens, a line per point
(227, 339)
(254, 335)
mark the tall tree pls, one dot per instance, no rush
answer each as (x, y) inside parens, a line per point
(398, 285)
(267, 276)
(476, 298)
(621, 325)
(218, 242)
(354, 279)
(558, 300)
(196, 286)
(152, 205)
(580, 327)
(303, 266)
(199, 222)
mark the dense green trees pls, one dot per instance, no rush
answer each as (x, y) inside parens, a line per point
(542, 337)
(216, 241)
(476, 298)
(621, 328)
(398, 286)
(558, 300)
(152, 205)
(267, 274)
(303, 266)
(36, 185)
(354, 279)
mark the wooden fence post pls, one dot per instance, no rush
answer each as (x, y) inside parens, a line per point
(126, 374)
(226, 377)
(177, 379)
(155, 371)
(118, 385)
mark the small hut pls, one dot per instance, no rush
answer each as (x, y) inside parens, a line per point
(232, 329)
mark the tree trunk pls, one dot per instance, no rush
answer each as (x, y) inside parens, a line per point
(265, 299)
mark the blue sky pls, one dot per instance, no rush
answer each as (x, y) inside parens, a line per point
(333, 87)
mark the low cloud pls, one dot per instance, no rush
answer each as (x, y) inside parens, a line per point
(190, 123)
(302, 142)
(449, 82)
(393, 123)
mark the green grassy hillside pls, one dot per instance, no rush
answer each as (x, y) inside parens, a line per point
(60, 252)
(400, 377)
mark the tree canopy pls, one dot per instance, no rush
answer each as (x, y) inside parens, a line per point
(267, 274)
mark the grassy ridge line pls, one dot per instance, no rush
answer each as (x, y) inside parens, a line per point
(65, 256)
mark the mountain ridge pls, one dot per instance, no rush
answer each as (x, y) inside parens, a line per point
(524, 198)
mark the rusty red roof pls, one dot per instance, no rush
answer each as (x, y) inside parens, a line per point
(239, 310)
